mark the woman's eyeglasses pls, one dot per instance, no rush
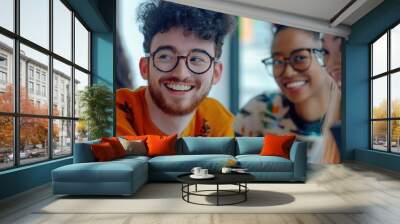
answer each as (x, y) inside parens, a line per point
(299, 59)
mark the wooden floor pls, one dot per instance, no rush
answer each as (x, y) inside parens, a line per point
(377, 188)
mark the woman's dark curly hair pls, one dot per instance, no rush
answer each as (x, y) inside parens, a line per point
(159, 16)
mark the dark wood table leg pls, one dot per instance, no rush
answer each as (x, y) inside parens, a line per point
(217, 194)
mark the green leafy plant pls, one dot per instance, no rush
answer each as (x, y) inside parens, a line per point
(96, 102)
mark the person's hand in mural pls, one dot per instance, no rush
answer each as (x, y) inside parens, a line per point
(183, 46)
(333, 58)
(309, 101)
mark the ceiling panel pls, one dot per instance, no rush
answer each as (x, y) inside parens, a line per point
(316, 15)
(320, 9)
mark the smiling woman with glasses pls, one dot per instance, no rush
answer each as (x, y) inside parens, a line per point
(308, 102)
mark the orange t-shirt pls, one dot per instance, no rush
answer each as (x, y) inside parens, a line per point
(211, 119)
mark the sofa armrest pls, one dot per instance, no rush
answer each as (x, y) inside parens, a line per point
(83, 152)
(298, 154)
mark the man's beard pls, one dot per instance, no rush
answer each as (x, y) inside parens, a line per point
(177, 109)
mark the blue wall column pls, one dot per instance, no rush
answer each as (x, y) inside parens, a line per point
(103, 62)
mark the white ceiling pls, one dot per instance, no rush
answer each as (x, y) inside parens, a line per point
(317, 15)
(320, 9)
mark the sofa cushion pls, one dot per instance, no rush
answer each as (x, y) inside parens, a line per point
(257, 163)
(103, 152)
(83, 152)
(161, 145)
(249, 145)
(185, 163)
(134, 147)
(277, 145)
(111, 171)
(116, 145)
(207, 145)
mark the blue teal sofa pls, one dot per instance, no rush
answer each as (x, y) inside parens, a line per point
(125, 176)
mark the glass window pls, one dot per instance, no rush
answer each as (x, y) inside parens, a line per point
(7, 14)
(3, 78)
(30, 71)
(81, 45)
(379, 98)
(6, 142)
(385, 124)
(37, 89)
(62, 72)
(395, 136)
(40, 62)
(379, 56)
(35, 21)
(3, 61)
(379, 135)
(34, 79)
(254, 40)
(37, 75)
(81, 131)
(395, 47)
(81, 81)
(34, 142)
(43, 90)
(62, 138)
(395, 95)
(62, 29)
(30, 87)
(6, 73)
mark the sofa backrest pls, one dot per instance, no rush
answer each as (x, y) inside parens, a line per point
(206, 145)
(249, 145)
(83, 152)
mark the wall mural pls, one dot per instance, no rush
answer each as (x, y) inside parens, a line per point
(167, 70)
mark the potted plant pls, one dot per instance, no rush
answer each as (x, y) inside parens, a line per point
(96, 102)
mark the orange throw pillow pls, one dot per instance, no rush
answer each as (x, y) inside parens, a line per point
(277, 145)
(103, 152)
(161, 145)
(116, 145)
(135, 137)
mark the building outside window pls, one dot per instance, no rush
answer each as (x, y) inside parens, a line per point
(43, 90)
(385, 92)
(30, 87)
(3, 78)
(37, 75)
(3, 72)
(30, 72)
(57, 129)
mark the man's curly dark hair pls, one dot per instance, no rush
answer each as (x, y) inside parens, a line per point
(159, 16)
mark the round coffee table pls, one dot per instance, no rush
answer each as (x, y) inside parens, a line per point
(238, 179)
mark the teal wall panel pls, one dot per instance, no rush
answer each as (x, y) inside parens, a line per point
(380, 159)
(103, 62)
(24, 178)
(102, 59)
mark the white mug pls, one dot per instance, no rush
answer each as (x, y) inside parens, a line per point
(196, 170)
(203, 172)
(226, 170)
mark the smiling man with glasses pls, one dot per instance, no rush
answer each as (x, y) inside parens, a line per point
(308, 103)
(183, 46)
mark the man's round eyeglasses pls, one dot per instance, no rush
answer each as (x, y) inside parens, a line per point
(166, 59)
(299, 59)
